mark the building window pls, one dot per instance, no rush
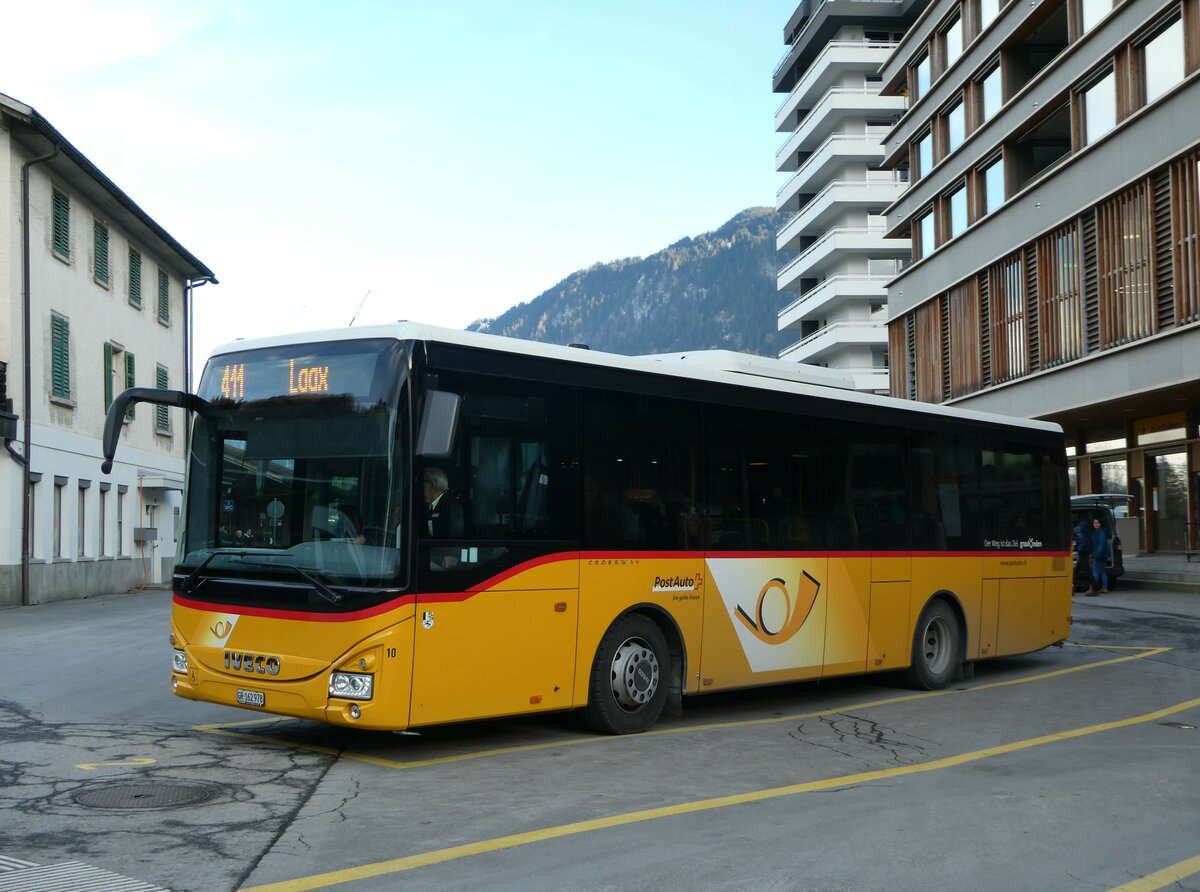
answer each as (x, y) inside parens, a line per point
(925, 242)
(61, 235)
(958, 210)
(1124, 253)
(162, 416)
(116, 358)
(135, 277)
(1099, 108)
(60, 357)
(164, 298)
(990, 93)
(1091, 12)
(1060, 296)
(81, 522)
(1162, 61)
(921, 77)
(924, 154)
(953, 40)
(993, 186)
(1006, 305)
(956, 127)
(988, 10)
(100, 252)
(120, 523)
(58, 517)
(101, 522)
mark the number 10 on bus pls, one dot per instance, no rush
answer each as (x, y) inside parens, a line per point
(233, 381)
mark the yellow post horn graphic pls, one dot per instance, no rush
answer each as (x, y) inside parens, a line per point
(796, 614)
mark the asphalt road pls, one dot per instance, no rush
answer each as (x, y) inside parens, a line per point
(1076, 768)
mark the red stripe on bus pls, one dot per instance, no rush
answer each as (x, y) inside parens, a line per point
(365, 613)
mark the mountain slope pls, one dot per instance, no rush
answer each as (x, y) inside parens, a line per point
(716, 290)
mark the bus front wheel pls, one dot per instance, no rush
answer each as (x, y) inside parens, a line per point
(937, 648)
(628, 685)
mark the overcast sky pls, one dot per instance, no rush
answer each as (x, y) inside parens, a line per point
(450, 158)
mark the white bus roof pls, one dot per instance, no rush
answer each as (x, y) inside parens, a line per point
(718, 366)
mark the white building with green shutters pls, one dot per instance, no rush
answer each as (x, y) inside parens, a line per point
(95, 296)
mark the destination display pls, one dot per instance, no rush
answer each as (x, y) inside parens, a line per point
(294, 371)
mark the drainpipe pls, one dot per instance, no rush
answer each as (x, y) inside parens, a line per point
(28, 370)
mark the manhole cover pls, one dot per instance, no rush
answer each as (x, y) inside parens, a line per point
(142, 796)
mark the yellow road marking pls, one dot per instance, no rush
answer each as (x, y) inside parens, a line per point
(1161, 878)
(683, 729)
(454, 853)
(92, 766)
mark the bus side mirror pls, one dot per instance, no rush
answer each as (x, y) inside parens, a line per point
(435, 439)
(116, 413)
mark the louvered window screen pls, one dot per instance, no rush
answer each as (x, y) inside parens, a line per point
(927, 348)
(1124, 241)
(164, 299)
(1007, 318)
(1060, 316)
(897, 359)
(61, 236)
(963, 305)
(60, 357)
(130, 377)
(135, 277)
(162, 417)
(100, 251)
(1185, 234)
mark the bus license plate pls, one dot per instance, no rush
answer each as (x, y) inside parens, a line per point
(251, 698)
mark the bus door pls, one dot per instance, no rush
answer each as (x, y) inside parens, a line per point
(497, 564)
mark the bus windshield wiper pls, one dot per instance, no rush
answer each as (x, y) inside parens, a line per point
(194, 578)
(307, 574)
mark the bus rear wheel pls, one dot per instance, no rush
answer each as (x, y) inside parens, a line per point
(937, 648)
(628, 685)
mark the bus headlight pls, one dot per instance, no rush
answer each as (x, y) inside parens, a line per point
(351, 686)
(179, 662)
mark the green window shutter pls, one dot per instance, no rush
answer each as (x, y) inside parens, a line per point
(100, 244)
(135, 277)
(129, 379)
(108, 376)
(60, 357)
(162, 418)
(164, 302)
(61, 236)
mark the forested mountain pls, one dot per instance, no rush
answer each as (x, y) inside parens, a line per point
(716, 290)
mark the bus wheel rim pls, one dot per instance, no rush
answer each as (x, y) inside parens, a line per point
(936, 645)
(635, 674)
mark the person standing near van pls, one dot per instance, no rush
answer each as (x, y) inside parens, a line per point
(1100, 550)
(1081, 537)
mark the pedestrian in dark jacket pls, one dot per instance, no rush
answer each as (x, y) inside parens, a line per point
(1100, 551)
(1082, 538)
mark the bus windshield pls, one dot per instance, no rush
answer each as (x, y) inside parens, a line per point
(296, 497)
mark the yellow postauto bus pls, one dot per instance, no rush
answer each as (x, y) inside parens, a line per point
(399, 526)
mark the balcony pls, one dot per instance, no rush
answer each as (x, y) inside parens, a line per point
(833, 245)
(819, 167)
(838, 57)
(822, 346)
(836, 108)
(828, 205)
(834, 290)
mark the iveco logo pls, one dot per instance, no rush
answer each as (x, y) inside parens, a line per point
(252, 663)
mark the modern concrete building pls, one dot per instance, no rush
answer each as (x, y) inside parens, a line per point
(1053, 151)
(94, 297)
(835, 119)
